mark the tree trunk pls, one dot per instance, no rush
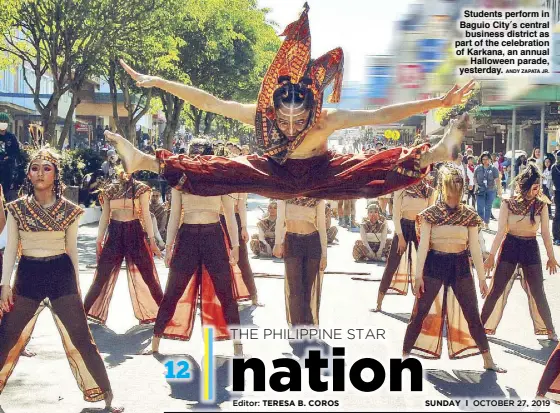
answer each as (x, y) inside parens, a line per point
(208, 118)
(113, 91)
(172, 107)
(68, 121)
(49, 127)
(197, 119)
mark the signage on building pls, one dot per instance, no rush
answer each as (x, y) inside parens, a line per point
(378, 82)
(81, 127)
(410, 76)
(430, 53)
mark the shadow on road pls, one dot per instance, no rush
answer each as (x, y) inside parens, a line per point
(192, 390)
(246, 315)
(469, 383)
(120, 347)
(404, 317)
(300, 350)
(540, 356)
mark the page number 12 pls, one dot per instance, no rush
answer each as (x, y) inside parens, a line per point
(182, 372)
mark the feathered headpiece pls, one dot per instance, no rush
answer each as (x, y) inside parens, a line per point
(293, 62)
(45, 154)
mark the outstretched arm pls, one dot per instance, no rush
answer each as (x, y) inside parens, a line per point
(202, 100)
(342, 119)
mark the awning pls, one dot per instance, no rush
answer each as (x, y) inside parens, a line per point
(497, 107)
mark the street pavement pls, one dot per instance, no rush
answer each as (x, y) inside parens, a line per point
(45, 383)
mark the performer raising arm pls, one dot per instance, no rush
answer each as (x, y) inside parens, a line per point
(292, 130)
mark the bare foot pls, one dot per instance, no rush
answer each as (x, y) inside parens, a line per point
(449, 144)
(109, 402)
(130, 156)
(256, 303)
(376, 309)
(494, 367)
(148, 352)
(27, 353)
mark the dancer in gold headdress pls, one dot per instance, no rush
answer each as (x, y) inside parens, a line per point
(520, 219)
(43, 226)
(444, 287)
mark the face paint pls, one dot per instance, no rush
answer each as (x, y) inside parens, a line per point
(292, 119)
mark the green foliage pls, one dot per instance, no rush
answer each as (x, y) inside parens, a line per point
(227, 48)
(73, 168)
(149, 46)
(444, 115)
(91, 159)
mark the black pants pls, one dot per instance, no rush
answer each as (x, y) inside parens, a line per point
(7, 168)
(303, 281)
(471, 197)
(556, 221)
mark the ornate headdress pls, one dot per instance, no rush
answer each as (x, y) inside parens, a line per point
(45, 154)
(525, 180)
(293, 62)
(519, 204)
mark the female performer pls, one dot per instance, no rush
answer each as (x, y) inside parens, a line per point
(549, 385)
(301, 238)
(198, 260)
(373, 243)
(124, 223)
(262, 243)
(444, 284)
(400, 268)
(520, 219)
(292, 130)
(44, 226)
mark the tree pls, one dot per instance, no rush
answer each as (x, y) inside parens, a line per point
(227, 46)
(66, 40)
(149, 45)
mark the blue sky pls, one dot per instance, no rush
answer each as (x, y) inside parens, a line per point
(360, 27)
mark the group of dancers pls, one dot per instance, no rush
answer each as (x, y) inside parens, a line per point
(206, 254)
